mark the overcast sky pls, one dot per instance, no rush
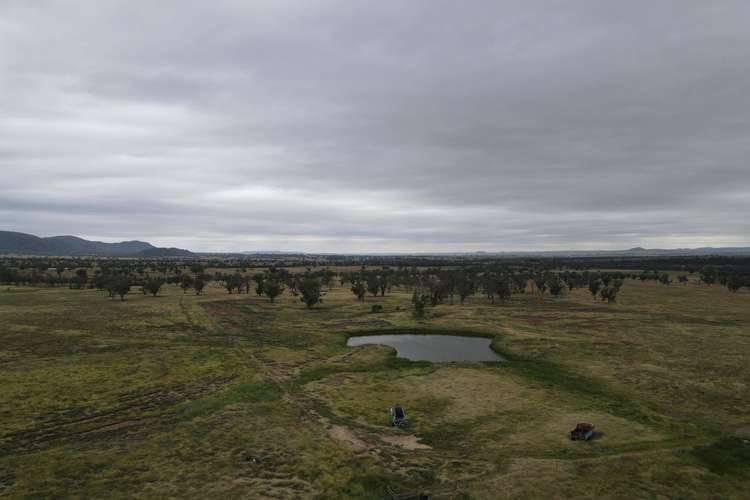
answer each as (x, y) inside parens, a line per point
(379, 126)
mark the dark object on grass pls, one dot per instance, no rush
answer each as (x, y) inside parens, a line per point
(398, 416)
(582, 432)
(376, 308)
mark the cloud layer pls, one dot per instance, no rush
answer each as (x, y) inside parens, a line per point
(377, 126)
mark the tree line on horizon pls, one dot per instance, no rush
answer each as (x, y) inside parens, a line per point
(429, 286)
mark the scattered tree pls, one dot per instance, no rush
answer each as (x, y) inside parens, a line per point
(199, 285)
(465, 286)
(272, 288)
(419, 302)
(608, 293)
(359, 290)
(121, 286)
(186, 282)
(594, 286)
(373, 285)
(153, 286)
(556, 286)
(309, 288)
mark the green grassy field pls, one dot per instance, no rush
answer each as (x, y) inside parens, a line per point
(231, 396)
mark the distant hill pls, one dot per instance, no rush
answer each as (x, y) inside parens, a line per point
(21, 243)
(632, 252)
(647, 252)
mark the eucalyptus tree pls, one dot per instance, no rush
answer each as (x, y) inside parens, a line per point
(373, 284)
(419, 303)
(541, 284)
(153, 286)
(310, 289)
(556, 285)
(594, 286)
(186, 282)
(121, 286)
(465, 285)
(503, 288)
(359, 289)
(260, 280)
(272, 288)
(608, 293)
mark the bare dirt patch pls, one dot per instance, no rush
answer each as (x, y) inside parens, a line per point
(410, 442)
(341, 433)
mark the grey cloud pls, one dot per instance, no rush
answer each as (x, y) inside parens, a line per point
(387, 125)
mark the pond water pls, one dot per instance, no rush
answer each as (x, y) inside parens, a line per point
(435, 348)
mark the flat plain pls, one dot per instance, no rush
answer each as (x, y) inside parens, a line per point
(223, 395)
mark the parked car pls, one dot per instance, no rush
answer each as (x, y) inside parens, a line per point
(583, 432)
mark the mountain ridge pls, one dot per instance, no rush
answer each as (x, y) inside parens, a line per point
(13, 242)
(23, 243)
